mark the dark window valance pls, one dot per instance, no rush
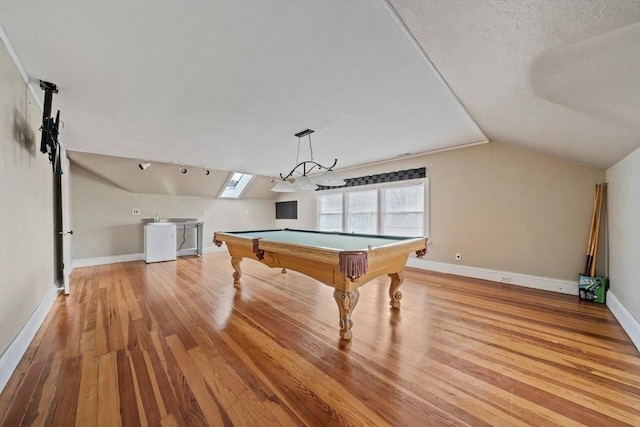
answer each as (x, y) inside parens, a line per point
(380, 178)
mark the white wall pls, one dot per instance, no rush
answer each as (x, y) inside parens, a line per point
(502, 208)
(623, 206)
(26, 214)
(306, 210)
(103, 225)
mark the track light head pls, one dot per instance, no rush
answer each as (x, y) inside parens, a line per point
(144, 165)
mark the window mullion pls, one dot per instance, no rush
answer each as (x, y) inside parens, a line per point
(344, 211)
(379, 213)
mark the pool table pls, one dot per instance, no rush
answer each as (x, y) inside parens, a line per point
(344, 261)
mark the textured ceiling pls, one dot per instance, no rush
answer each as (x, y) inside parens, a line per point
(227, 84)
(559, 77)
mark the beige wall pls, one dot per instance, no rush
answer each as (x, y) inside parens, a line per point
(502, 208)
(104, 226)
(26, 206)
(623, 205)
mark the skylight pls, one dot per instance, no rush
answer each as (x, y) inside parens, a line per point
(235, 185)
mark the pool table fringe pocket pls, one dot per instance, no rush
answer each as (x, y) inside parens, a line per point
(353, 264)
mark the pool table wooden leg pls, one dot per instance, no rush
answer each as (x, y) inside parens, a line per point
(346, 303)
(394, 293)
(235, 263)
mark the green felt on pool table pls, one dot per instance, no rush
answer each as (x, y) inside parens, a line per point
(342, 242)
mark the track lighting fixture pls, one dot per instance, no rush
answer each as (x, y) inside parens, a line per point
(144, 165)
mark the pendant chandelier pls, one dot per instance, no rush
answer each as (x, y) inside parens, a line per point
(302, 182)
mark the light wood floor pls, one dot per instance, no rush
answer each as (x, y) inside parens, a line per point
(175, 344)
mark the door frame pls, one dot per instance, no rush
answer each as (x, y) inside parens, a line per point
(62, 224)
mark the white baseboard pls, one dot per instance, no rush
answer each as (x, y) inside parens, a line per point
(211, 249)
(13, 354)
(88, 262)
(629, 323)
(536, 282)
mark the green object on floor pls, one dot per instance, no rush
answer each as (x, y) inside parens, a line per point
(593, 288)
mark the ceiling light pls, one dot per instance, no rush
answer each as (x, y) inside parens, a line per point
(304, 183)
(283, 187)
(183, 170)
(144, 165)
(206, 171)
(329, 178)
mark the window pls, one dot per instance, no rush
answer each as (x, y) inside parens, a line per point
(362, 211)
(403, 209)
(236, 185)
(388, 209)
(329, 212)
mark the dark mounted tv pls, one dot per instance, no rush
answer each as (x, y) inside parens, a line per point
(287, 210)
(50, 128)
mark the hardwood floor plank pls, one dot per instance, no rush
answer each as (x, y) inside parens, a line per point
(17, 411)
(175, 344)
(42, 407)
(205, 401)
(160, 374)
(67, 392)
(108, 398)
(127, 391)
(147, 389)
(87, 413)
(188, 408)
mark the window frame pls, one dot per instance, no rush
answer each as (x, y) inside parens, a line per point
(244, 181)
(380, 201)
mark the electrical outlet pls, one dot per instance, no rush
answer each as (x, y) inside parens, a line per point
(458, 257)
(506, 279)
(135, 211)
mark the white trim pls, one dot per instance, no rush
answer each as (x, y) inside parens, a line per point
(211, 249)
(205, 250)
(629, 323)
(14, 56)
(409, 156)
(536, 282)
(13, 354)
(88, 262)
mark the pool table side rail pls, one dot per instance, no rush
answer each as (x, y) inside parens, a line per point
(397, 241)
(261, 244)
(330, 233)
(353, 264)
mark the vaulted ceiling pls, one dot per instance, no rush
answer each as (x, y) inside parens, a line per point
(561, 77)
(227, 84)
